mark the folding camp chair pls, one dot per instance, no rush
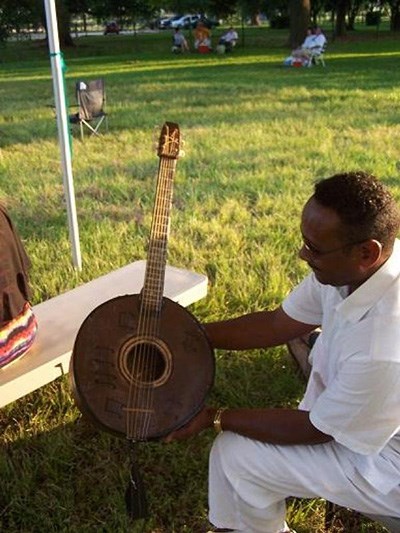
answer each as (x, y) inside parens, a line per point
(91, 98)
(317, 57)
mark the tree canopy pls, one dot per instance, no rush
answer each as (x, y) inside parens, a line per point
(295, 14)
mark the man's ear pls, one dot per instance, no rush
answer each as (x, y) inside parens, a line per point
(370, 254)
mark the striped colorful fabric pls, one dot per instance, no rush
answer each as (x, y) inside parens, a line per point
(17, 336)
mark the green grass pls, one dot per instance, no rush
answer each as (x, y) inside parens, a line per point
(257, 136)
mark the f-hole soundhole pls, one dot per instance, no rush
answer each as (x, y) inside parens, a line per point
(146, 363)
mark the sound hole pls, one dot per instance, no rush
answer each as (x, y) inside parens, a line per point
(145, 363)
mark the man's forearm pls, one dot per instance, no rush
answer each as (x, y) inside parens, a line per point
(255, 330)
(275, 426)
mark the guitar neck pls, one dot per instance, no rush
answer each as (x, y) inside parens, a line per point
(153, 288)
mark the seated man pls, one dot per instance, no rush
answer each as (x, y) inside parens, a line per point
(342, 444)
(179, 42)
(307, 43)
(300, 56)
(319, 41)
(313, 44)
(18, 324)
(229, 39)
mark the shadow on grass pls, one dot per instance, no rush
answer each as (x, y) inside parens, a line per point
(58, 473)
(69, 477)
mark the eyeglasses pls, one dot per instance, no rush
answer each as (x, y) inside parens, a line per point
(320, 253)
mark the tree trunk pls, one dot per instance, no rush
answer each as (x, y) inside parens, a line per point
(299, 13)
(395, 15)
(341, 10)
(255, 19)
(351, 20)
(64, 20)
(353, 10)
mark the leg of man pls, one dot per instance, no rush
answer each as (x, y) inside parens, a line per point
(250, 480)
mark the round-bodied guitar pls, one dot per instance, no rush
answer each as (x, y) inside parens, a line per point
(142, 364)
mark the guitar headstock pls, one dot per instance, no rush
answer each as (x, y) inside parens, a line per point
(169, 142)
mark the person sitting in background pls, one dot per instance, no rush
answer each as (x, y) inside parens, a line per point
(18, 325)
(179, 42)
(313, 44)
(202, 37)
(307, 43)
(319, 41)
(229, 39)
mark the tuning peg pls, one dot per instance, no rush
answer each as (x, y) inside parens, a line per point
(182, 146)
(155, 137)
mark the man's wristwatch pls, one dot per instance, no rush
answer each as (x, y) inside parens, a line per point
(217, 419)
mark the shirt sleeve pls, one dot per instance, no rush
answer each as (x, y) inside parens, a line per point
(304, 303)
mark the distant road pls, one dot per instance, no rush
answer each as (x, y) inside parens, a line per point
(31, 36)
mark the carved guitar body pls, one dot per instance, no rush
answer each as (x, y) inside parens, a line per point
(142, 365)
(112, 382)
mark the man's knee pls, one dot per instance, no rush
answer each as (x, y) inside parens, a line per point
(226, 446)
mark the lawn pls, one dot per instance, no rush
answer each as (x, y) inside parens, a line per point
(257, 136)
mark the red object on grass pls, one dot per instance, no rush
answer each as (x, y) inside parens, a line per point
(204, 49)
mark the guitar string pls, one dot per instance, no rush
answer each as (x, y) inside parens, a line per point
(165, 209)
(161, 247)
(161, 210)
(140, 353)
(141, 396)
(137, 356)
(162, 219)
(148, 308)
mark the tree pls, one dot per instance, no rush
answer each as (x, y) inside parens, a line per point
(252, 9)
(64, 23)
(218, 8)
(394, 15)
(317, 6)
(222, 8)
(299, 13)
(354, 9)
(19, 15)
(342, 7)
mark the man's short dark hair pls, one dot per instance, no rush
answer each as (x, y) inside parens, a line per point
(365, 206)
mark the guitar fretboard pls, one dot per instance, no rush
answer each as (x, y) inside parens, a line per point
(153, 288)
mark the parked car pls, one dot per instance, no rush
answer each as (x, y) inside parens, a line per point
(161, 22)
(166, 23)
(186, 21)
(111, 27)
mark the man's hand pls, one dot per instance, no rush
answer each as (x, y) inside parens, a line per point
(201, 421)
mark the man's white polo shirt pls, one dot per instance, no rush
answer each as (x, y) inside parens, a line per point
(353, 393)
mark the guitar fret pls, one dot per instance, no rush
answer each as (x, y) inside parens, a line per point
(153, 288)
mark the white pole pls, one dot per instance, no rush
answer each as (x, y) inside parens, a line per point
(63, 129)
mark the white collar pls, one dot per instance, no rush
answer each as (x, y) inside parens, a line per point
(366, 295)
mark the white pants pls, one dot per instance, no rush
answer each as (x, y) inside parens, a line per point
(250, 480)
